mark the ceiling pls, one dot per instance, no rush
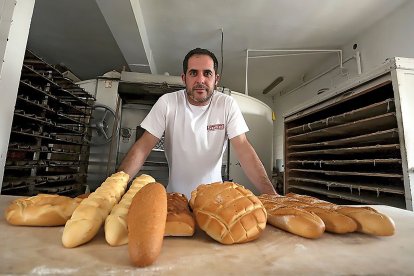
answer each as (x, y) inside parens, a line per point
(152, 36)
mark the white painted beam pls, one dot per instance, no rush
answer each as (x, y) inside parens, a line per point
(12, 67)
(125, 20)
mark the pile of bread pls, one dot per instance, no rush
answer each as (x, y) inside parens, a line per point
(227, 212)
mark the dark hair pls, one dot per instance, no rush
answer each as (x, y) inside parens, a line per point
(199, 51)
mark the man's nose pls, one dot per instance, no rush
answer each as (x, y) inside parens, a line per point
(200, 79)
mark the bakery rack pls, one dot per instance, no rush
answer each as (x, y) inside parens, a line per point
(49, 141)
(350, 147)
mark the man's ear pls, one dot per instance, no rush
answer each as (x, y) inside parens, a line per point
(217, 79)
(183, 78)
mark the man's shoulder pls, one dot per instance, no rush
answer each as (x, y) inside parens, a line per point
(220, 98)
(173, 95)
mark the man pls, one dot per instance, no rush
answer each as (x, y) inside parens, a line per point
(196, 123)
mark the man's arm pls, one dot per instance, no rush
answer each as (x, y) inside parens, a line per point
(138, 153)
(251, 164)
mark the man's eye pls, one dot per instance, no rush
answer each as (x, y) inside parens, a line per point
(192, 73)
(208, 74)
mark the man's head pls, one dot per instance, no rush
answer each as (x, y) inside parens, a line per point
(200, 75)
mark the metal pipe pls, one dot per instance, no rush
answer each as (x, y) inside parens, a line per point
(302, 51)
(295, 50)
(318, 76)
(285, 55)
(246, 89)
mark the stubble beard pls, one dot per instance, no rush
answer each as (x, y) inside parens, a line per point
(191, 93)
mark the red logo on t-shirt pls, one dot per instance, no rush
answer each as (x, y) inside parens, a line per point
(215, 127)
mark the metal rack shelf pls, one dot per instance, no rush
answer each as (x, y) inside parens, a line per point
(349, 148)
(49, 145)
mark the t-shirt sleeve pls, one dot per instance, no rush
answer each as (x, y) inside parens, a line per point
(236, 124)
(154, 122)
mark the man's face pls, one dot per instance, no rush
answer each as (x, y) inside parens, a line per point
(200, 79)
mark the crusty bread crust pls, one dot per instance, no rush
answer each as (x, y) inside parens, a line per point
(180, 221)
(146, 224)
(368, 220)
(41, 210)
(334, 222)
(284, 214)
(116, 227)
(228, 212)
(92, 212)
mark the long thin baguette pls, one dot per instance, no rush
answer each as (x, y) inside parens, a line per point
(146, 224)
(92, 212)
(116, 227)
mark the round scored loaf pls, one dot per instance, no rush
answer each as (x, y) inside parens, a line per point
(228, 212)
(41, 210)
(146, 224)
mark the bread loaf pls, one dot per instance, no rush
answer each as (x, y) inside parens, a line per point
(180, 221)
(146, 224)
(41, 210)
(334, 222)
(292, 218)
(89, 216)
(228, 212)
(116, 228)
(311, 200)
(368, 220)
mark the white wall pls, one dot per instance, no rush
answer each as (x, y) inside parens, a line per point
(6, 13)
(11, 69)
(392, 36)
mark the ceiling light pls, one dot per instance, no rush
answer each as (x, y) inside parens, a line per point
(273, 85)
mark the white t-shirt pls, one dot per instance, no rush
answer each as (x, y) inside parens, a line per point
(195, 137)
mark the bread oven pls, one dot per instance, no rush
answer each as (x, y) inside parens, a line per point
(124, 100)
(129, 97)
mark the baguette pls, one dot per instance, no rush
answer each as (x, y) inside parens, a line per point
(116, 228)
(146, 224)
(89, 216)
(334, 222)
(180, 221)
(292, 218)
(368, 220)
(41, 210)
(228, 212)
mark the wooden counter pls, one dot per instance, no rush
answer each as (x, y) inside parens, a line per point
(38, 250)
